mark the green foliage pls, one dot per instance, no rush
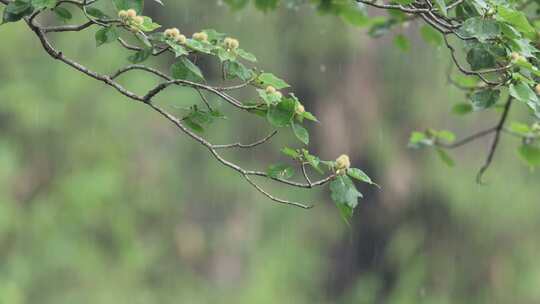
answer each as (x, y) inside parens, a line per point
(497, 39)
(137, 5)
(106, 35)
(185, 69)
(530, 154)
(281, 111)
(345, 195)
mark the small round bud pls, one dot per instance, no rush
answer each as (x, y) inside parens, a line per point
(278, 94)
(134, 29)
(231, 43)
(181, 39)
(270, 90)
(515, 56)
(201, 36)
(131, 13)
(341, 171)
(123, 14)
(343, 162)
(300, 109)
(172, 32)
(537, 89)
(535, 127)
(138, 20)
(235, 44)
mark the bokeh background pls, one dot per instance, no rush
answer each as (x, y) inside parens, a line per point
(102, 201)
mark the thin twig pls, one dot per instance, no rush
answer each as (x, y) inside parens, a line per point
(247, 146)
(496, 139)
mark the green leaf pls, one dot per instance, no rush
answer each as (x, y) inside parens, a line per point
(178, 49)
(280, 171)
(269, 79)
(520, 128)
(446, 135)
(441, 5)
(462, 108)
(431, 36)
(479, 57)
(355, 15)
(515, 18)
(359, 175)
(200, 46)
(137, 5)
(307, 115)
(226, 55)
(381, 27)
(522, 92)
(41, 4)
(185, 69)
(246, 55)
(17, 10)
(481, 28)
(402, 42)
(237, 69)
(281, 115)
(344, 195)
(213, 35)
(106, 35)
(530, 154)
(271, 98)
(148, 25)
(290, 152)
(444, 157)
(301, 133)
(419, 140)
(484, 99)
(313, 161)
(96, 13)
(140, 56)
(346, 212)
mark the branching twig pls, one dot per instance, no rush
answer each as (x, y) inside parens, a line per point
(41, 33)
(247, 146)
(493, 148)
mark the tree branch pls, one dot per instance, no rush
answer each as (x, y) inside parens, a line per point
(498, 129)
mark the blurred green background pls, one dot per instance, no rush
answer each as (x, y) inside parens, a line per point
(102, 201)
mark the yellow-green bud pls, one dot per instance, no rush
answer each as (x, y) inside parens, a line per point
(231, 43)
(201, 36)
(138, 20)
(172, 32)
(270, 90)
(131, 13)
(537, 89)
(343, 162)
(123, 14)
(300, 109)
(181, 39)
(278, 94)
(515, 56)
